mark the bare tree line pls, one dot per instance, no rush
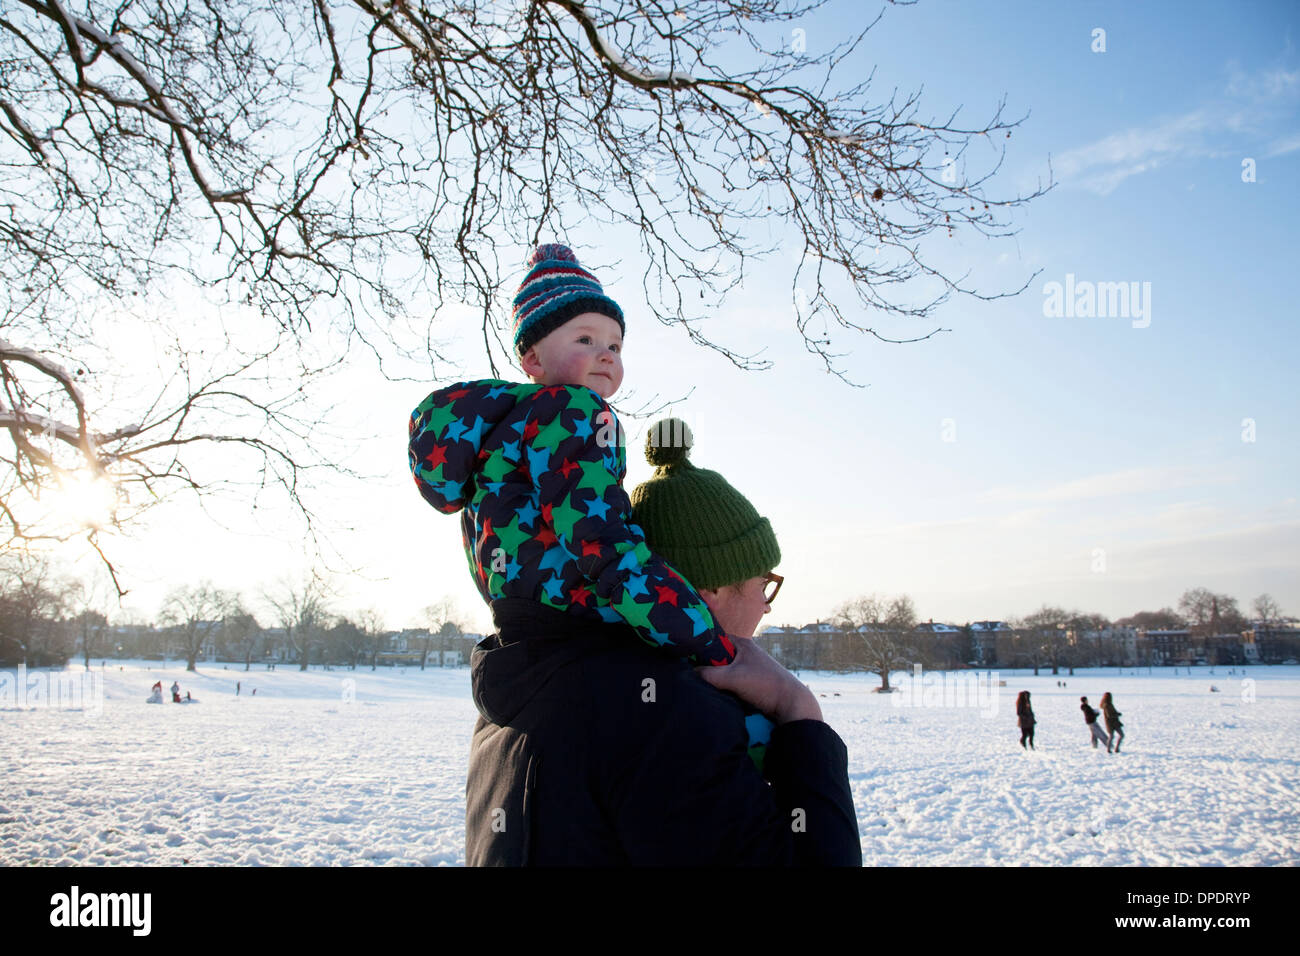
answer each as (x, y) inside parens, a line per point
(882, 635)
(46, 617)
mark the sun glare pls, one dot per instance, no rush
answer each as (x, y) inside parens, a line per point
(89, 500)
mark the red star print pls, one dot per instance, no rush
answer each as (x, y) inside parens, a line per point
(546, 536)
(436, 457)
(579, 596)
(459, 393)
(667, 595)
(531, 430)
(590, 547)
(567, 467)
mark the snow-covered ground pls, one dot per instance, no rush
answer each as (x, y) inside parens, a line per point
(342, 767)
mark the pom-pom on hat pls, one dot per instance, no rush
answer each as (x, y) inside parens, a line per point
(694, 519)
(556, 289)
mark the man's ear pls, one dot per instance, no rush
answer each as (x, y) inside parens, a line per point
(531, 365)
(710, 597)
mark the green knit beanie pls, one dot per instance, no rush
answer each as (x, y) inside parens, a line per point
(702, 526)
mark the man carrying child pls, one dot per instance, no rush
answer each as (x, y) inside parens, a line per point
(592, 749)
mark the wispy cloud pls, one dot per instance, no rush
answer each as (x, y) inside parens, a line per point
(1288, 144)
(1130, 481)
(1103, 165)
(1239, 551)
(1249, 106)
(1262, 84)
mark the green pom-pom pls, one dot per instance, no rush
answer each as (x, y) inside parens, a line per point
(668, 442)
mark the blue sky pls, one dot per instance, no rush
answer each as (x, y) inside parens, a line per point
(1018, 459)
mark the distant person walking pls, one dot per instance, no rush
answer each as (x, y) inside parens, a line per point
(1025, 716)
(1111, 715)
(1090, 718)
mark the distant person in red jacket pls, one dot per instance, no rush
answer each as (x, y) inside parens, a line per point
(1025, 717)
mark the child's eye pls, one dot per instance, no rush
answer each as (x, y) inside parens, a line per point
(584, 340)
(616, 348)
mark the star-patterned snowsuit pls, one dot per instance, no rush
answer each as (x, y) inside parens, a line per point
(537, 471)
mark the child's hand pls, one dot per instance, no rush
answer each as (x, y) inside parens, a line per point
(758, 679)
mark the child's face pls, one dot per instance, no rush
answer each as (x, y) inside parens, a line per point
(586, 350)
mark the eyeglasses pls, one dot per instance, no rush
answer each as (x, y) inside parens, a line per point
(772, 587)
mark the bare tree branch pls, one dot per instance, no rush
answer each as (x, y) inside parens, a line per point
(332, 173)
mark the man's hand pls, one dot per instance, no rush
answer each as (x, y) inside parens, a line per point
(758, 679)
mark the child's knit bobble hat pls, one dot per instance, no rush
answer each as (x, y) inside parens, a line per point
(691, 517)
(555, 290)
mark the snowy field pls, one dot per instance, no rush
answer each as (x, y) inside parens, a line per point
(340, 768)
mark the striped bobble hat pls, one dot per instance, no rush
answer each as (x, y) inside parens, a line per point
(556, 290)
(695, 520)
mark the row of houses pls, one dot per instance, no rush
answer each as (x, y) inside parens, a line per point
(1263, 642)
(824, 646)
